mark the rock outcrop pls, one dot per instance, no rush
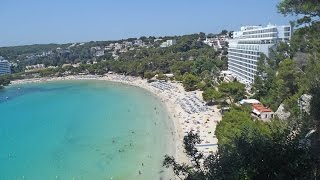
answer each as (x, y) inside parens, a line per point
(282, 113)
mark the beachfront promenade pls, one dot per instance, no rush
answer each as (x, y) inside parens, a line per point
(187, 109)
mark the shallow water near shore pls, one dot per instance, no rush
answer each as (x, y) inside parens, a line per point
(82, 130)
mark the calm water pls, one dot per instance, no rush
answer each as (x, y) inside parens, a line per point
(82, 130)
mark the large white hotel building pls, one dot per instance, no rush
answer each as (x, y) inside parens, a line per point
(246, 46)
(4, 66)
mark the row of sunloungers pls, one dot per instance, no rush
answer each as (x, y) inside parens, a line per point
(123, 78)
(192, 105)
(162, 86)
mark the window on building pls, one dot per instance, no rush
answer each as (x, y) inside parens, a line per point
(287, 29)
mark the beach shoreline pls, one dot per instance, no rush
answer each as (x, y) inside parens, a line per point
(175, 98)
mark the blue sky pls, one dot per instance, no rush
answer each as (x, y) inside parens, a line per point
(62, 21)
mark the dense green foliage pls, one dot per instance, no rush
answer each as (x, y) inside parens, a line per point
(251, 149)
(184, 171)
(190, 60)
(14, 52)
(260, 151)
(190, 82)
(234, 91)
(279, 85)
(4, 80)
(211, 94)
(231, 126)
(308, 9)
(231, 91)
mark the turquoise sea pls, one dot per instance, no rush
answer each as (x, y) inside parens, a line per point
(82, 130)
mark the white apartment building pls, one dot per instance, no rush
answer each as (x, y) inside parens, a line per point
(168, 43)
(138, 42)
(97, 51)
(171, 42)
(247, 45)
(4, 66)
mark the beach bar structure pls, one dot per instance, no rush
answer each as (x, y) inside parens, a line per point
(262, 112)
(258, 109)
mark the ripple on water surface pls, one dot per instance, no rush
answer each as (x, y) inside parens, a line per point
(82, 130)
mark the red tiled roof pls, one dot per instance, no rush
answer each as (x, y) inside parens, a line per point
(261, 108)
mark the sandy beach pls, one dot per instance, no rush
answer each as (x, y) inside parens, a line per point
(187, 109)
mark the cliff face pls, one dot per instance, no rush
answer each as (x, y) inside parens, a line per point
(282, 113)
(303, 103)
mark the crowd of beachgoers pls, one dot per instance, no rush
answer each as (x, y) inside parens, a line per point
(187, 109)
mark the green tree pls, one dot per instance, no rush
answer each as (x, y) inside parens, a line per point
(251, 150)
(202, 65)
(210, 35)
(307, 40)
(234, 91)
(190, 82)
(288, 72)
(181, 67)
(4, 80)
(148, 74)
(161, 76)
(262, 151)
(284, 85)
(307, 9)
(264, 77)
(224, 32)
(231, 125)
(211, 94)
(184, 171)
(202, 35)
(278, 149)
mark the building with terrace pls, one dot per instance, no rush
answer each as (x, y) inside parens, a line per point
(4, 66)
(247, 45)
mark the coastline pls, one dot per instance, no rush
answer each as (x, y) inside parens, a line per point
(175, 98)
